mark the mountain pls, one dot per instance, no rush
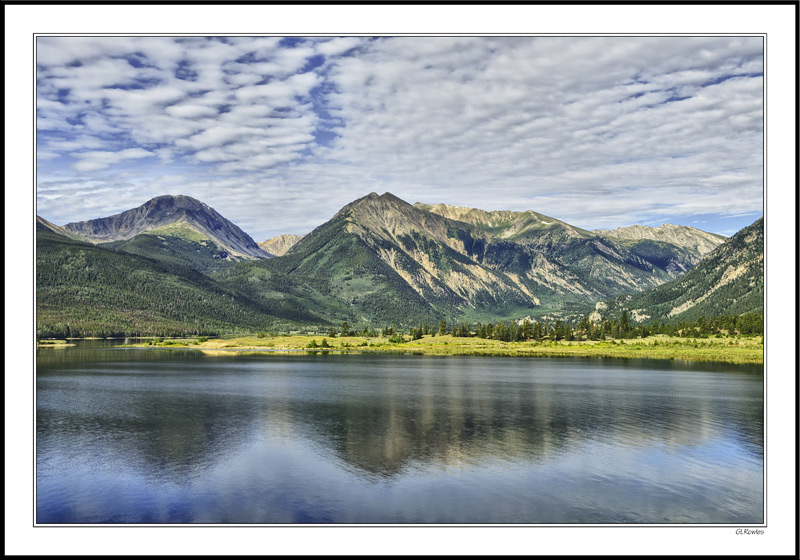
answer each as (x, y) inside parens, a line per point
(382, 259)
(565, 262)
(683, 236)
(728, 281)
(88, 290)
(280, 244)
(379, 261)
(176, 265)
(172, 216)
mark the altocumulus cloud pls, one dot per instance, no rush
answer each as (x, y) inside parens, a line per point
(279, 133)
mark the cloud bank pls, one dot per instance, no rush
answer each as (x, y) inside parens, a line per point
(278, 133)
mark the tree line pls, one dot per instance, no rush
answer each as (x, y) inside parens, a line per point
(619, 328)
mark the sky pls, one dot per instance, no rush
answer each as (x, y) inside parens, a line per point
(278, 133)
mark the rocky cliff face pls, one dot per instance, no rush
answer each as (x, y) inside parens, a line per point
(163, 211)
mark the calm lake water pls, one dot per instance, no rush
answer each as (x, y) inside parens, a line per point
(177, 436)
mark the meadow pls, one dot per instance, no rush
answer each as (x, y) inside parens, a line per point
(739, 349)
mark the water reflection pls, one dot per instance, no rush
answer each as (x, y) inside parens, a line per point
(242, 439)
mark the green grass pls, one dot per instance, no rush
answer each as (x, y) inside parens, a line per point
(740, 350)
(183, 231)
(53, 344)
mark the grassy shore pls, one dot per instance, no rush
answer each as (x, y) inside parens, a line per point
(740, 350)
(53, 344)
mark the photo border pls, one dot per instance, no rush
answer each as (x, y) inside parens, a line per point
(776, 209)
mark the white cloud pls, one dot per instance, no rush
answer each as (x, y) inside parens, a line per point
(94, 161)
(338, 46)
(599, 129)
(190, 111)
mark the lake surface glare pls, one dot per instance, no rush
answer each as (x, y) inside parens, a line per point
(176, 436)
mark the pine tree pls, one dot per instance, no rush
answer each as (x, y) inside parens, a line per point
(526, 332)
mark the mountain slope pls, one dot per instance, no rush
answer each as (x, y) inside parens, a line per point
(729, 280)
(176, 244)
(562, 261)
(86, 290)
(167, 215)
(53, 228)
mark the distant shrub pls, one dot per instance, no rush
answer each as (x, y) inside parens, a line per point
(202, 339)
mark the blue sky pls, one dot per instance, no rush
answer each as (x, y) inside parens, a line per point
(278, 134)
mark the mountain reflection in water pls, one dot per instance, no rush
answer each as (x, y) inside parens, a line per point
(595, 431)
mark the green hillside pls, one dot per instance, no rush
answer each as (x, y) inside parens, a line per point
(186, 248)
(86, 290)
(334, 273)
(728, 281)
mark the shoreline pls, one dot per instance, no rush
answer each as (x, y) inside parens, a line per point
(723, 350)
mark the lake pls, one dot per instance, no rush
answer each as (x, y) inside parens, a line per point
(150, 436)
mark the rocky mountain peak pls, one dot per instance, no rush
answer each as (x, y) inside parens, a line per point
(166, 210)
(280, 244)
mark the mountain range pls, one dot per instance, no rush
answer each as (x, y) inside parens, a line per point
(729, 281)
(378, 261)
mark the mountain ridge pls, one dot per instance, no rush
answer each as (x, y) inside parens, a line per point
(729, 280)
(380, 260)
(686, 236)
